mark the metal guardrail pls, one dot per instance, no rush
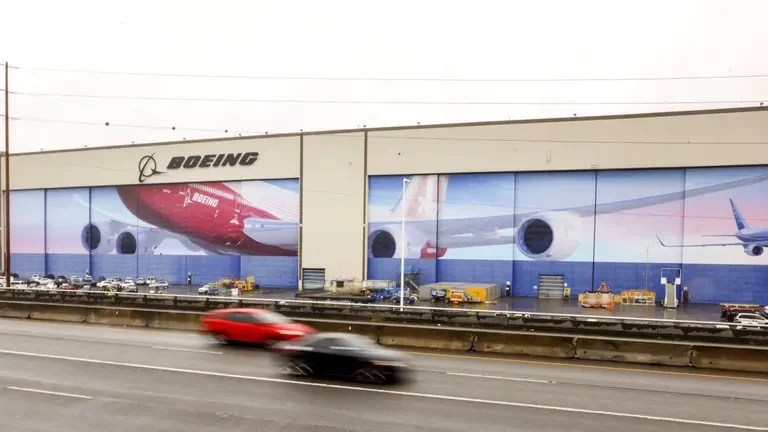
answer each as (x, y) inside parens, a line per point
(375, 310)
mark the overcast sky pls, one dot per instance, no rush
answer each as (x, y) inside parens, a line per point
(361, 39)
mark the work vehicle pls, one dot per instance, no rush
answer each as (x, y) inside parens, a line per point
(407, 299)
(341, 355)
(241, 285)
(750, 320)
(729, 311)
(251, 326)
(458, 297)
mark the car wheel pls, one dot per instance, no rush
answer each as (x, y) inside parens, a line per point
(220, 338)
(296, 368)
(371, 375)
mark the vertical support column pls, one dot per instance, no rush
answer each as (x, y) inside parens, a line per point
(7, 227)
(301, 210)
(45, 232)
(594, 232)
(90, 253)
(365, 206)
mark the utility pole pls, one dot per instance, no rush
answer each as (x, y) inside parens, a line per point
(7, 227)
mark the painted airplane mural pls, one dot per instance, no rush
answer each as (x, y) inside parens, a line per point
(215, 218)
(753, 240)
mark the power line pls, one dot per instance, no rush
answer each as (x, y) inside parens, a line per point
(363, 102)
(128, 125)
(416, 79)
(424, 138)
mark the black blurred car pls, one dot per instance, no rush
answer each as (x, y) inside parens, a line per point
(342, 355)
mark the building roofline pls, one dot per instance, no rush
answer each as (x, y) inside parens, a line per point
(417, 127)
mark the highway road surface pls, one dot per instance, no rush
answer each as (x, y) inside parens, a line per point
(86, 378)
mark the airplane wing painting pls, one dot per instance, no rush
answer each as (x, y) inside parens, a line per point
(544, 235)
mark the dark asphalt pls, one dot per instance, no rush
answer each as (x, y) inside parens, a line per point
(140, 379)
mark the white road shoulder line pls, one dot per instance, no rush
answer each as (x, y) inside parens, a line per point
(188, 350)
(393, 392)
(49, 392)
(500, 378)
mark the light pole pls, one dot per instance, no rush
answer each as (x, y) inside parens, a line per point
(403, 243)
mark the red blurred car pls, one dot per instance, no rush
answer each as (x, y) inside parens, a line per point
(252, 326)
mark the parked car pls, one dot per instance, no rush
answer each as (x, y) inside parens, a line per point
(252, 326)
(158, 287)
(750, 320)
(128, 285)
(342, 355)
(109, 283)
(209, 289)
(37, 280)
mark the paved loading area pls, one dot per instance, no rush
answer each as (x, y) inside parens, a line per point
(692, 311)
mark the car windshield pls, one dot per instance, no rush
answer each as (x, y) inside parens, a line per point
(355, 341)
(272, 318)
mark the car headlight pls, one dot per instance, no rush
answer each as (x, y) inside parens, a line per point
(389, 364)
(291, 332)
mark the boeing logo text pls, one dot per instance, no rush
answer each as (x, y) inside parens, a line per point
(213, 160)
(203, 199)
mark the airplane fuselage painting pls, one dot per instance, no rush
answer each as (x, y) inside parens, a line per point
(212, 217)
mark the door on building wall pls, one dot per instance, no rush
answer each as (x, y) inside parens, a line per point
(551, 286)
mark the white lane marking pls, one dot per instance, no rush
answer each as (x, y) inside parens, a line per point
(187, 350)
(48, 392)
(500, 378)
(393, 392)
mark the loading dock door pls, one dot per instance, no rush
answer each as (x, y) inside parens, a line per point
(551, 286)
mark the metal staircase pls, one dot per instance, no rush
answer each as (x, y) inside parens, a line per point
(551, 286)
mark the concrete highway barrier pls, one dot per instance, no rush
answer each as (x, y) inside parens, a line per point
(424, 337)
(117, 317)
(520, 321)
(525, 344)
(644, 352)
(481, 340)
(731, 358)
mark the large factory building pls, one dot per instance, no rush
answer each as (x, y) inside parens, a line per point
(621, 200)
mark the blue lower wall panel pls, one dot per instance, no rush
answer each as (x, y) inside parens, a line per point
(204, 268)
(578, 276)
(271, 272)
(726, 283)
(171, 268)
(707, 283)
(27, 264)
(479, 271)
(389, 269)
(67, 264)
(121, 266)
